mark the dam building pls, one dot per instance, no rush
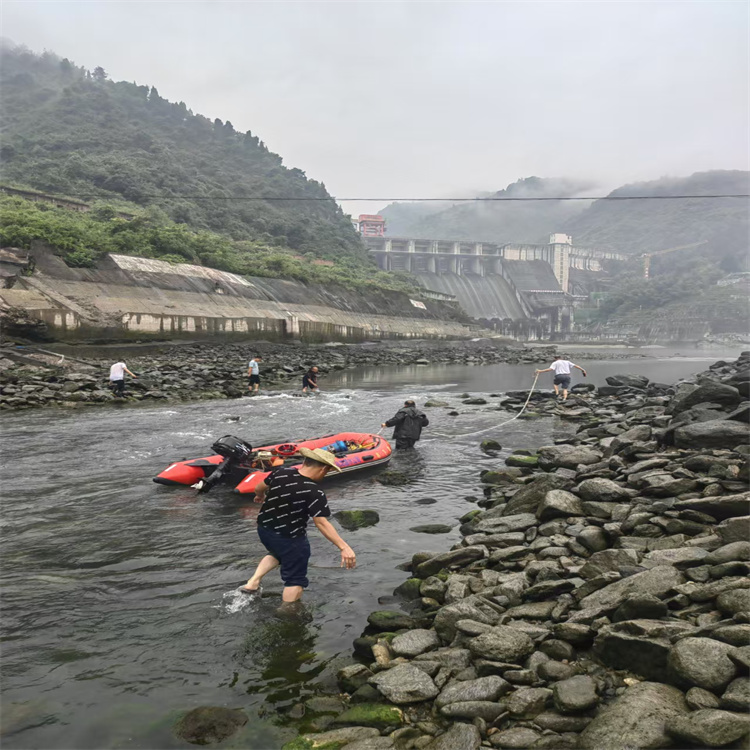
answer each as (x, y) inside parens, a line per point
(498, 282)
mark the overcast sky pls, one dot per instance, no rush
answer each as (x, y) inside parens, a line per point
(410, 99)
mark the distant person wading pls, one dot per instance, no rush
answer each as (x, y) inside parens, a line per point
(253, 374)
(117, 377)
(408, 422)
(310, 380)
(562, 368)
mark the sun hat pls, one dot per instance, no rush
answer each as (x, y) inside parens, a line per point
(322, 457)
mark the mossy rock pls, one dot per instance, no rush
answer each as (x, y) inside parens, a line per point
(330, 740)
(384, 619)
(352, 520)
(501, 476)
(466, 517)
(431, 528)
(490, 446)
(436, 402)
(366, 694)
(208, 725)
(409, 589)
(475, 401)
(377, 715)
(521, 461)
(392, 478)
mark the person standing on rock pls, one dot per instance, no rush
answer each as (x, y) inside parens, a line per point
(253, 373)
(562, 368)
(310, 380)
(408, 422)
(290, 498)
(117, 377)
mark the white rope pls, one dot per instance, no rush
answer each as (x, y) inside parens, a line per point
(502, 424)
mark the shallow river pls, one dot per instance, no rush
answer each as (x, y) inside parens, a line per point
(114, 613)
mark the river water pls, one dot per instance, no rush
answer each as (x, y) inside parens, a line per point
(117, 605)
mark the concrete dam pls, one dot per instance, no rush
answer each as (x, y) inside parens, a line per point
(481, 297)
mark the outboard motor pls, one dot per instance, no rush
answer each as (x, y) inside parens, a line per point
(235, 451)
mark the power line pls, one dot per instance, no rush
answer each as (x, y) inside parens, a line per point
(508, 199)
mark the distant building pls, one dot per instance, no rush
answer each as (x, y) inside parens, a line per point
(371, 225)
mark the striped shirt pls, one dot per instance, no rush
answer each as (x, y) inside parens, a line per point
(291, 501)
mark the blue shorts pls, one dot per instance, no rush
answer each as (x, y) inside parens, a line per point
(292, 552)
(563, 380)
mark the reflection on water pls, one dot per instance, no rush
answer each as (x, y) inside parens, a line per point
(114, 616)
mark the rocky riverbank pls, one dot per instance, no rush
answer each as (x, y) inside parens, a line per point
(599, 598)
(30, 378)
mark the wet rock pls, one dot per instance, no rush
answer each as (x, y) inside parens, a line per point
(490, 446)
(459, 557)
(640, 606)
(713, 434)
(715, 393)
(475, 401)
(376, 715)
(487, 710)
(334, 738)
(404, 684)
(356, 519)
(709, 727)
(636, 719)
(409, 589)
(353, 676)
(431, 528)
(553, 671)
(628, 381)
(386, 620)
(488, 688)
(517, 738)
(723, 507)
(658, 581)
(701, 662)
(458, 737)
(698, 698)
(414, 642)
(567, 457)
(559, 723)
(574, 695)
(603, 490)
(502, 643)
(530, 496)
(522, 462)
(593, 538)
(636, 652)
(559, 504)
(501, 476)
(526, 703)
(434, 402)
(208, 725)
(737, 695)
(392, 478)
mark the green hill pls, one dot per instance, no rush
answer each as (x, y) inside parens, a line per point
(74, 132)
(642, 226)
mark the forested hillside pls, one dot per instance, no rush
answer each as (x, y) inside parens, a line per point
(492, 221)
(70, 131)
(644, 226)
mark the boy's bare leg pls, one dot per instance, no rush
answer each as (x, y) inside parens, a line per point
(291, 593)
(266, 565)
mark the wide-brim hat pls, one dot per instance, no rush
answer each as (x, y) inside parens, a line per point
(321, 456)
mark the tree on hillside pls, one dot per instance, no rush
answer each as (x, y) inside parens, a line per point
(99, 74)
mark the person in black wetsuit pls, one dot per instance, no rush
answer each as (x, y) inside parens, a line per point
(408, 423)
(310, 380)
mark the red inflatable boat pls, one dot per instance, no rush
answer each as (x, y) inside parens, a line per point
(244, 466)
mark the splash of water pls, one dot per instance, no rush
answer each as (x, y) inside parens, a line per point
(237, 600)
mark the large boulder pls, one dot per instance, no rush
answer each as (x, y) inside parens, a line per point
(709, 727)
(709, 393)
(717, 433)
(701, 662)
(636, 719)
(628, 381)
(603, 490)
(567, 456)
(502, 643)
(459, 557)
(530, 496)
(658, 581)
(559, 504)
(721, 507)
(405, 684)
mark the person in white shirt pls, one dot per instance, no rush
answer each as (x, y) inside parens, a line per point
(561, 368)
(117, 377)
(253, 373)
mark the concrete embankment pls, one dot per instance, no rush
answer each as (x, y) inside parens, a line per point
(599, 598)
(127, 298)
